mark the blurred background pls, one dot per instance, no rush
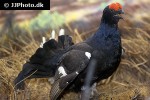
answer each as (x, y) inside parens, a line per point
(21, 33)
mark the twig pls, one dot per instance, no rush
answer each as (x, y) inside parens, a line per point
(25, 78)
(86, 87)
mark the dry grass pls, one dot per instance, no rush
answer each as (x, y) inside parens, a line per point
(131, 81)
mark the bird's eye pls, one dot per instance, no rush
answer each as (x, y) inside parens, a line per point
(120, 11)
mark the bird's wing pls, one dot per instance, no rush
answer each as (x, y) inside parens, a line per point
(74, 63)
(61, 84)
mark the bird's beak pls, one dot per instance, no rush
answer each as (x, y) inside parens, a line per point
(120, 12)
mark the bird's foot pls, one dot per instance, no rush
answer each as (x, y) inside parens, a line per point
(94, 93)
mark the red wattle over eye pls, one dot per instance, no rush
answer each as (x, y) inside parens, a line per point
(115, 6)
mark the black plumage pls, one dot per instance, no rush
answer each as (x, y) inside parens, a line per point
(44, 62)
(105, 49)
(68, 63)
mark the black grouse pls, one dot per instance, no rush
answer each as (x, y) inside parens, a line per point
(68, 64)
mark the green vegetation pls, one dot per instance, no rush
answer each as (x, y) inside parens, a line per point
(44, 21)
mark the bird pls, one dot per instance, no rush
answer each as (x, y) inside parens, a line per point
(69, 65)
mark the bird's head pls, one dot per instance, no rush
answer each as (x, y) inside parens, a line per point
(112, 14)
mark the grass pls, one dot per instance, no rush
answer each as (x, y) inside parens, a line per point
(130, 82)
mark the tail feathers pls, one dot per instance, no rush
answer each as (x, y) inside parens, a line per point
(53, 35)
(61, 32)
(65, 41)
(43, 41)
(51, 45)
(19, 81)
(32, 71)
(44, 60)
(48, 50)
(36, 58)
(51, 49)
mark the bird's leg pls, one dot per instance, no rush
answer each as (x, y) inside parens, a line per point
(94, 90)
(93, 94)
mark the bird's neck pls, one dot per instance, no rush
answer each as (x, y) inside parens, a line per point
(104, 34)
(106, 30)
